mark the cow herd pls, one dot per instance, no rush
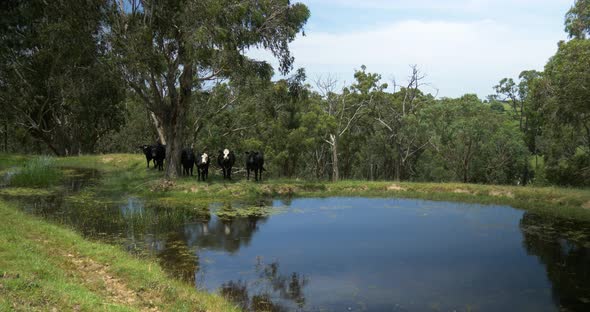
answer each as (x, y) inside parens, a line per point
(225, 160)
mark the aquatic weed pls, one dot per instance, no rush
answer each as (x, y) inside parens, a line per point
(37, 172)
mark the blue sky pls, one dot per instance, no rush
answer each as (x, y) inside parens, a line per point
(463, 46)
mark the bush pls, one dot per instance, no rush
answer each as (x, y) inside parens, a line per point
(38, 172)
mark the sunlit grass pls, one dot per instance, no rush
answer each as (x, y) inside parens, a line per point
(127, 174)
(44, 267)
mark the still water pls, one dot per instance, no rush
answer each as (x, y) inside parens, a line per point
(353, 254)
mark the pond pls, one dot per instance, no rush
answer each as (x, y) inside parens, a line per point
(352, 254)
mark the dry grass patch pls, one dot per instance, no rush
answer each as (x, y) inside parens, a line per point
(396, 187)
(499, 193)
(107, 159)
(163, 186)
(286, 190)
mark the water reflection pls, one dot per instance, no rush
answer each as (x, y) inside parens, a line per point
(223, 234)
(178, 259)
(563, 246)
(379, 255)
(270, 291)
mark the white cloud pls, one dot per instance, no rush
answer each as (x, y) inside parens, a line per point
(458, 57)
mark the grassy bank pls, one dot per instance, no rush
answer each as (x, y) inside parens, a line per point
(44, 266)
(127, 174)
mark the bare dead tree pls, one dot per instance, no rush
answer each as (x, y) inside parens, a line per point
(407, 140)
(344, 111)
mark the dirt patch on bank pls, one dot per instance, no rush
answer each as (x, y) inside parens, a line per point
(286, 190)
(396, 187)
(94, 273)
(498, 193)
(107, 159)
(462, 191)
(586, 205)
(163, 186)
(98, 277)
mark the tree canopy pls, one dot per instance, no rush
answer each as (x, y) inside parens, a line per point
(106, 76)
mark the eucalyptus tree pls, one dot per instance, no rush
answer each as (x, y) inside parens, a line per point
(516, 95)
(577, 19)
(56, 77)
(476, 143)
(284, 132)
(170, 49)
(566, 108)
(345, 109)
(401, 115)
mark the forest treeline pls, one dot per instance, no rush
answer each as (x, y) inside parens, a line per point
(81, 77)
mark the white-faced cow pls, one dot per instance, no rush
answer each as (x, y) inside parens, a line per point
(202, 166)
(226, 160)
(254, 162)
(187, 158)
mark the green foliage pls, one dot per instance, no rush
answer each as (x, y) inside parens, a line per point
(172, 52)
(58, 80)
(37, 172)
(577, 19)
(137, 130)
(473, 143)
(186, 74)
(560, 97)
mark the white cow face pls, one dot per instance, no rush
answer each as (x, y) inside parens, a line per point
(225, 153)
(204, 158)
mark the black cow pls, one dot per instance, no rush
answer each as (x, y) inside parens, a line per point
(202, 166)
(187, 158)
(159, 154)
(147, 151)
(254, 162)
(226, 160)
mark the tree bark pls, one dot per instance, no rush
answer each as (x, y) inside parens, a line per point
(6, 136)
(173, 147)
(175, 120)
(335, 172)
(159, 128)
(398, 163)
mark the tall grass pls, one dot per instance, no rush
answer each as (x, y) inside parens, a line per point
(37, 172)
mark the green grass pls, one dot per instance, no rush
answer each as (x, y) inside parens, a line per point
(44, 266)
(37, 172)
(40, 262)
(126, 174)
(10, 160)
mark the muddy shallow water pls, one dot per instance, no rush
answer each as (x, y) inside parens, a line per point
(352, 254)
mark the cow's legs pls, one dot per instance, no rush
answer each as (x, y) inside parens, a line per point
(248, 174)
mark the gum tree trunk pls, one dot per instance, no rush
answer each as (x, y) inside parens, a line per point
(159, 128)
(335, 172)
